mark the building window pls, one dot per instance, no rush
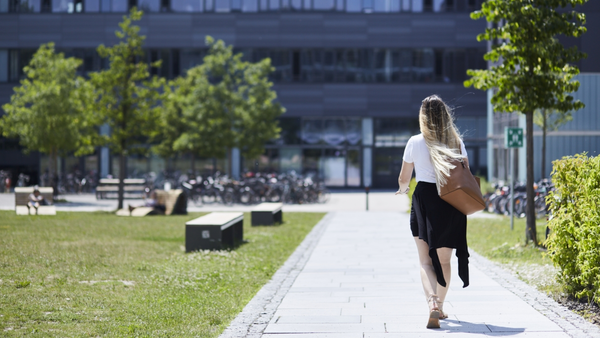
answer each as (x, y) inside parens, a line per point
(323, 5)
(20, 6)
(3, 65)
(91, 6)
(187, 5)
(148, 5)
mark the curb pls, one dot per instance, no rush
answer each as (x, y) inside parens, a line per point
(257, 314)
(572, 324)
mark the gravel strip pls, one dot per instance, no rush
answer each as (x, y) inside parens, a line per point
(255, 317)
(573, 324)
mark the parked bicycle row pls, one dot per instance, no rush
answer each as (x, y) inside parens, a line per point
(256, 188)
(499, 200)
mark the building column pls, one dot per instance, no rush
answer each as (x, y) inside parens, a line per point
(235, 163)
(367, 140)
(104, 154)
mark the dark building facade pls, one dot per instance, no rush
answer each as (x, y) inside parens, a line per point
(350, 73)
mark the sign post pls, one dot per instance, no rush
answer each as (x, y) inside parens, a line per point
(513, 138)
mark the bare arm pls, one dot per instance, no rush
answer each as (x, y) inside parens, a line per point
(404, 177)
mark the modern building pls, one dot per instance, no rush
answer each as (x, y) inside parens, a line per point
(350, 73)
(582, 134)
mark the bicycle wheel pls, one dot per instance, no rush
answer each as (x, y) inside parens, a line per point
(197, 199)
(208, 196)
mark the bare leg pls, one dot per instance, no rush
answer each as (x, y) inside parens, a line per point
(428, 277)
(430, 285)
(444, 254)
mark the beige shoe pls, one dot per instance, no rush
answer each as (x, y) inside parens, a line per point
(434, 313)
(443, 315)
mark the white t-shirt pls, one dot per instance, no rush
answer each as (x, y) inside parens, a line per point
(416, 152)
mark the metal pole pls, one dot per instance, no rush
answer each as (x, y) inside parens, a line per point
(512, 188)
(367, 192)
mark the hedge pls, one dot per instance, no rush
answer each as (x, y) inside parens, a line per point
(574, 242)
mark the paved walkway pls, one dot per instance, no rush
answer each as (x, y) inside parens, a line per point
(356, 276)
(341, 200)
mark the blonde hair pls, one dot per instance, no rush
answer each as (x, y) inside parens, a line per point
(441, 136)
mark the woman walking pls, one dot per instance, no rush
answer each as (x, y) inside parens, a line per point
(438, 227)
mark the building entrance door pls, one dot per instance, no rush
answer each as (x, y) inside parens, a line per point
(387, 163)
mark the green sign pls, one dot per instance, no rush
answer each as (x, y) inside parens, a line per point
(513, 137)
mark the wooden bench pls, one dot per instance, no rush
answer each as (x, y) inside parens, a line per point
(214, 231)
(174, 201)
(22, 197)
(108, 188)
(267, 214)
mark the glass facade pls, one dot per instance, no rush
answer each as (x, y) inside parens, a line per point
(341, 65)
(354, 152)
(249, 6)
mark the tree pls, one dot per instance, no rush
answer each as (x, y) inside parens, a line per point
(549, 120)
(128, 97)
(532, 69)
(221, 104)
(48, 111)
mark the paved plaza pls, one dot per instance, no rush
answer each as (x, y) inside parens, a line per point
(339, 201)
(357, 276)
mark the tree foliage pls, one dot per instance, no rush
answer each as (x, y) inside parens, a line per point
(531, 69)
(128, 97)
(48, 111)
(223, 103)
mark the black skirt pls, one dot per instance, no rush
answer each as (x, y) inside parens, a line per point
(440, 225)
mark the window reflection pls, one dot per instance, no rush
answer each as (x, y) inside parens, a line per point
(20, 6)
(149, 5)
(394, 132)
(354, 5)
(290, 131)
(423, 63)
(250, 5)
(189, 58)
(323, 5)
(417, 5)
(221, 6)
(353, 168)
(353, 131)
(119, 6)
(332, 167)
(333, 132)
(311, 165)
(291, 160)
(187, 5)
(3, 65)
(312, 130)
(92, 6)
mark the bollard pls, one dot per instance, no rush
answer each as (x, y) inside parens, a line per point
(367, 192)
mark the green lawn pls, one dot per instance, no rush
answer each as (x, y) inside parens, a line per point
(96, 274)
(492, 237)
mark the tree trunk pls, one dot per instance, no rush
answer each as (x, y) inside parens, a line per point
(530, 228)
(544, 116)
(121, 179)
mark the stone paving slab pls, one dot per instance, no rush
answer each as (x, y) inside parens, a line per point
(362, 280)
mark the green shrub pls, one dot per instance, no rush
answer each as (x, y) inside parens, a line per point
(485, 185)
(574, 242)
